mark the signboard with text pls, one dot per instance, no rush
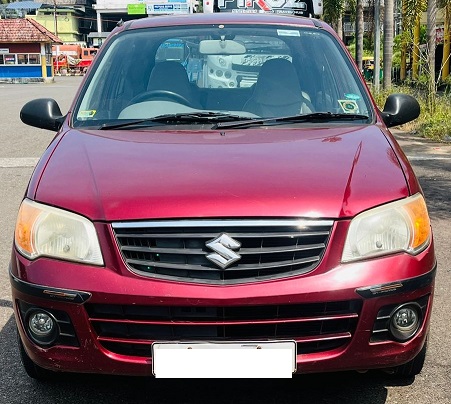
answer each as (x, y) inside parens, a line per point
(167, 7)
(136, 9)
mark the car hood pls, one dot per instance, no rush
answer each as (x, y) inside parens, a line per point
(268, 172)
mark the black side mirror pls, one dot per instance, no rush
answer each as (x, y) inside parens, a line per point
(43, 113)
(400, 109)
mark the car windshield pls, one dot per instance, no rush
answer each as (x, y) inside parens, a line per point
(201, 74)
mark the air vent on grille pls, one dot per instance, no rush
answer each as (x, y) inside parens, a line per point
(265, 248)
(316, 327)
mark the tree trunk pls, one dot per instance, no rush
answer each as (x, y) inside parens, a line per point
(416, 50)
(403, 72)
(431, 27)
(388, 42)
(446, 44)
(359, 34)
(340, 26)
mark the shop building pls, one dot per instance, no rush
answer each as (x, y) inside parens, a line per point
(25, 51)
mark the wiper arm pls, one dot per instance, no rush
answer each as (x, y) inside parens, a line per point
(312, 117)
(185, 117)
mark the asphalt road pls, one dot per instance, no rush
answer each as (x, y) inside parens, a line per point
(20, 147)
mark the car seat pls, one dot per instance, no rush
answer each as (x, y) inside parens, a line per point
(277, 91)
(171, 76)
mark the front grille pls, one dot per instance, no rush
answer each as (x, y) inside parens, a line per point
(316, 327)
(177, 249)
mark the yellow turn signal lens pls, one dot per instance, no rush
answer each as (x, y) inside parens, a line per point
(26, 219)
(419, 217)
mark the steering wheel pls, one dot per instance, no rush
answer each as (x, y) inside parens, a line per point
(160, 94)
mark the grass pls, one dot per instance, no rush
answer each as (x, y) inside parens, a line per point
(434, 125)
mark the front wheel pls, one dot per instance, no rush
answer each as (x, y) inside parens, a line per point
(33, 370)
(411, 368)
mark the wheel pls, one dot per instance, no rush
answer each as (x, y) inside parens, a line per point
(160, 94)
(411, 368)
(33, 370)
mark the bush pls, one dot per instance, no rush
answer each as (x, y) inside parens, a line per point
(436, 126)
(432, 125)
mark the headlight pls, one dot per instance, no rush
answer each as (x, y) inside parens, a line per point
(398, 226)
(46, 231)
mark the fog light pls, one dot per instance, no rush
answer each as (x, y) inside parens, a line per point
(42, 327)
(405, 321)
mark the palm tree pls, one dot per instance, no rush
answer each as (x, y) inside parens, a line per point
(416, 49)
(446, 40)
(388, 42)
(411, 12)
(359, 27)
(333, 14)
(431, 29)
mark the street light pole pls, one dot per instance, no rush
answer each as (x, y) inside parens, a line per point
(55, 24)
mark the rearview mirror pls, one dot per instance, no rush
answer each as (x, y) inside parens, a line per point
(400, 109)
(221, 47)
(43, 113)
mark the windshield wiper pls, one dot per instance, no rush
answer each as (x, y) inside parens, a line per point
(184, 117)
(312, 117)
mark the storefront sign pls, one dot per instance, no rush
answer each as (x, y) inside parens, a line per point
(167, 7)
(136, 9)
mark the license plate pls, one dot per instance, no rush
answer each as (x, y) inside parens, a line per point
(273, 359)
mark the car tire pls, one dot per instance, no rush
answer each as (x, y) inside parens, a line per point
(33, 370)
(411, 368)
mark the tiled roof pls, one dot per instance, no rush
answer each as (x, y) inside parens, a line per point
(25, 30)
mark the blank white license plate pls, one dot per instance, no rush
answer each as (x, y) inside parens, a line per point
(274, 359)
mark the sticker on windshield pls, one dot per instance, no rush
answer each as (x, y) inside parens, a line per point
(288, 32)
(86, 114)
(349, 106)
(351, 96)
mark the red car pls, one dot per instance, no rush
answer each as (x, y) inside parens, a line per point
(224, 199)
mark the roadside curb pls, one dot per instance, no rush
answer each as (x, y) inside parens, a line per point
(409, 136)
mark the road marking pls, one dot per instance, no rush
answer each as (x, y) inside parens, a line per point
(18, 162)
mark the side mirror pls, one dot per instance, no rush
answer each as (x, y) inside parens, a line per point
(43, 113)
(400, 109)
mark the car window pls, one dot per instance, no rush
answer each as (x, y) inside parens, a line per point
(267, 71)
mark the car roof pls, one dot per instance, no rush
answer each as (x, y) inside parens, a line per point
(223, 18)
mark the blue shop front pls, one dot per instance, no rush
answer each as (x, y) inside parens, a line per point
(25, 51)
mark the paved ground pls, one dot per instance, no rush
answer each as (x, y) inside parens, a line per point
(21, 145)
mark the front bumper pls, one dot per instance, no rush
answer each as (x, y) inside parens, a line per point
(114, 318)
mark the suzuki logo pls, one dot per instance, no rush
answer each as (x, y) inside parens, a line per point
(223, 247)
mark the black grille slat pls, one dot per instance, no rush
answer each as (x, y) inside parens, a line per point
(207, 236)
(237, 268)
(243, 251)
(316, 326)
(267, 248)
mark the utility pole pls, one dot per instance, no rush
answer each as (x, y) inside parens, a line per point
(55, 23)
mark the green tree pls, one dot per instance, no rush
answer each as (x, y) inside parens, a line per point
(333, 14)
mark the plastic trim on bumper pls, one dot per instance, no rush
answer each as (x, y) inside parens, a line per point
(46, 292)
(403, 286)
